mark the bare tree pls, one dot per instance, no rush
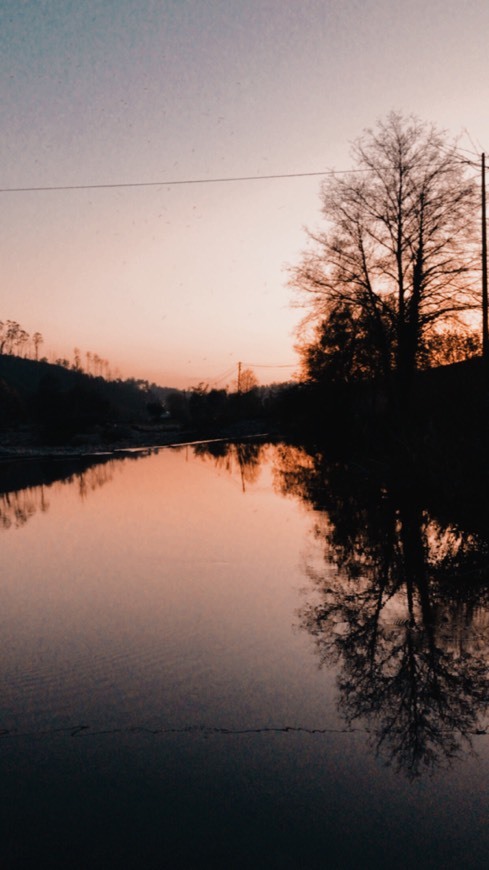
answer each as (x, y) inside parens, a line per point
(77, 366)
(21, 342)
(37, 340)
(12, 337)
(396, 253)
(246, 381)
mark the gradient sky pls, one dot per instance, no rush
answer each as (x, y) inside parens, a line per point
(178, 283)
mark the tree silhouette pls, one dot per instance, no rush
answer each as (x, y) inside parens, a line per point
(395, 256)
(37, 340)
(12, 337)
(77, 360)
(246, 381)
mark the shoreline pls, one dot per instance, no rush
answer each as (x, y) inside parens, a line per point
(23, 452)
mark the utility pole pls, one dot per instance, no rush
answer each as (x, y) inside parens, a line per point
(239, 377)
(485, 305)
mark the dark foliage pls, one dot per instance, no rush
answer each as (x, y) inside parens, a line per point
(60, 401)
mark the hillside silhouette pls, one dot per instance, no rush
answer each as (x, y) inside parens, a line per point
(57, 403)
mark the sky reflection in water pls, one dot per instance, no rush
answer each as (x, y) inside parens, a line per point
(180, 597)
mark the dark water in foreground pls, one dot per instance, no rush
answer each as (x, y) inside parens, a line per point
(238, 657)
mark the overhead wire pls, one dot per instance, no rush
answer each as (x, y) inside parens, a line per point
(221, 180)
(270, 365)
(174, 182)
(214, 381)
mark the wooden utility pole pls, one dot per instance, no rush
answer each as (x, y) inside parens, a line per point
(485, 306)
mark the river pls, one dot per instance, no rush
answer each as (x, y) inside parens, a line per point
(239, 656)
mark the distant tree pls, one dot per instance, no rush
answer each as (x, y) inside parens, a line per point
(396, 254)
(3, 335)
(12, 337)
(21, 342)
(37, 340)
(77, 360)
(246, 381)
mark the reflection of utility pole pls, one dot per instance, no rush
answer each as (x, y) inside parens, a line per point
(485, 322)
(239, 377)
(241, 471)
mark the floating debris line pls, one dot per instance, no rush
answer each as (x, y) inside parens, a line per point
(203, 730)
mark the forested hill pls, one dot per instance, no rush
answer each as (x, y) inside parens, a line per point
(59, 398)
(42, 403)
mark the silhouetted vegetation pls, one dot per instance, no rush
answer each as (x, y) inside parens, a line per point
(59, 402)
(211, 411)
(394, 266)
(386, 351)
(392, 367)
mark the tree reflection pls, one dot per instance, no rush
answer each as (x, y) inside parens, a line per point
(402, 606)
(16, 508)
(25, 487)
(244, 457)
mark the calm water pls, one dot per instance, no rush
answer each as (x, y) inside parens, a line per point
(238, 657)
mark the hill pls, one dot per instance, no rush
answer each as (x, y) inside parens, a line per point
(59, 402)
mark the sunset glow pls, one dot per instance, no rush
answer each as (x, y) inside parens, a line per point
(178, 283)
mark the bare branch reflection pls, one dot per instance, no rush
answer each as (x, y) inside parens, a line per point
(243, 457)
(401, 605)
(16, 508)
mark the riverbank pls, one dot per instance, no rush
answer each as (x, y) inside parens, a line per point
(25, 443)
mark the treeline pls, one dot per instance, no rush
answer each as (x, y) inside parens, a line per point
(64, 398)
(59, 402)
(210, 410)
(16, 341)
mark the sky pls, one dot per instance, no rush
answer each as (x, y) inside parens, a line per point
(177, 283)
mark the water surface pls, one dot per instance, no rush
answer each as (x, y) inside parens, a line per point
(238, 656)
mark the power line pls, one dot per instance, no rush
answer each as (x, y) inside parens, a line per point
(173, 182)
(270, 365)
(231, 371)
(214, 180)
(219, 378)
